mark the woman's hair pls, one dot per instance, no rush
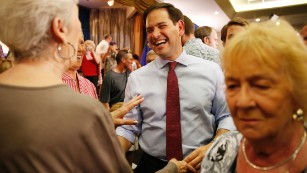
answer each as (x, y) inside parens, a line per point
(276, 45)
(90, 43)
(27, 23)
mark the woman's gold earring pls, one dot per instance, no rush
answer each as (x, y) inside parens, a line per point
(298, 115)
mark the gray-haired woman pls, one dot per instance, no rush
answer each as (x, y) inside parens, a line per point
(44, 125)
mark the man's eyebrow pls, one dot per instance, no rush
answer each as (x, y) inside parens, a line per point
(160, 23)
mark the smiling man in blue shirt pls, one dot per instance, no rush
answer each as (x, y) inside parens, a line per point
(204, 113)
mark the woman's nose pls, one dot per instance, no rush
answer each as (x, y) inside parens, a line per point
(244, 97)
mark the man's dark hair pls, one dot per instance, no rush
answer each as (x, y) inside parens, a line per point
(239, 21)
(188, 25)
(135, 56)
(112, 43)
(202, 32)
(120, 55)
(224, 33)
(174, 13)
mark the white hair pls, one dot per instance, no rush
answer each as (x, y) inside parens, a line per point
(151, 52)
(26, 24)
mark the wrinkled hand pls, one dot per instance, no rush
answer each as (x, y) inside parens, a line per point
(118, 114)
(182, 166)
(195, 158)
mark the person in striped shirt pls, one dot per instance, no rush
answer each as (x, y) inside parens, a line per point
(77, 82)
(84, 86)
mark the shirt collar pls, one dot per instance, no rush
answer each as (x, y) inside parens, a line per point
(66, 76)
(181, 59)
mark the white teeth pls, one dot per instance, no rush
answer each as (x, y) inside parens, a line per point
(160, 42)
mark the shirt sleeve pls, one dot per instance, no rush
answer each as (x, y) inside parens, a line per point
(129, 132)
(220, 107)
(106, 89)
(93, 89)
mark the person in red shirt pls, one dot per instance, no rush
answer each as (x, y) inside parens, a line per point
(90, 63)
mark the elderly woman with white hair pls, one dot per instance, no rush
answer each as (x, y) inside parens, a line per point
(265, 71)
(44, 125)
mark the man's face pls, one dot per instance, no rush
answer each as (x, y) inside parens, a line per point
(114, 48)
(128, 60)
(163, 36)
(304, 34)
(232, 30)
(109, 39)
(213, 41)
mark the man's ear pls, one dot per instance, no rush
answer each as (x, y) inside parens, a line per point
(206, 40)
(180, 24)
(58, 30)
(122, 61)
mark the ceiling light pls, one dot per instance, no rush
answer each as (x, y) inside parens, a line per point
(110, 2)
(216, 12)
(257, 19)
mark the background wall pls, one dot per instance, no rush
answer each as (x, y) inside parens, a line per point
(84, 16)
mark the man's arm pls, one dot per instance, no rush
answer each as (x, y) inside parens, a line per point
(106, 105)
(127, 134)
(103, 56)
(124, 143)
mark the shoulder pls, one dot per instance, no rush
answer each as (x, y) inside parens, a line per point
(204, 64)
(86, 81)
(110, 75)
(147, 69)
(68, 104)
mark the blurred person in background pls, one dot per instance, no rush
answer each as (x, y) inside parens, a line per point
(102, 50)
(136, 62)
(110, 62)
(234, 26)
(114, 84)
(304, 34)
(150, 56)
(91, 64)
(208, 35)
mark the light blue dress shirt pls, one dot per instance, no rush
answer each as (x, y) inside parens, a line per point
(202, 104)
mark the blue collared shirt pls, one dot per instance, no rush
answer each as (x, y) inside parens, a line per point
(202, 104)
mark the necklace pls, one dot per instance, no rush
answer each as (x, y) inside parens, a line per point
(292, 157)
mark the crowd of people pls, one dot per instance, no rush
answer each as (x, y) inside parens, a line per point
(69, 106)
